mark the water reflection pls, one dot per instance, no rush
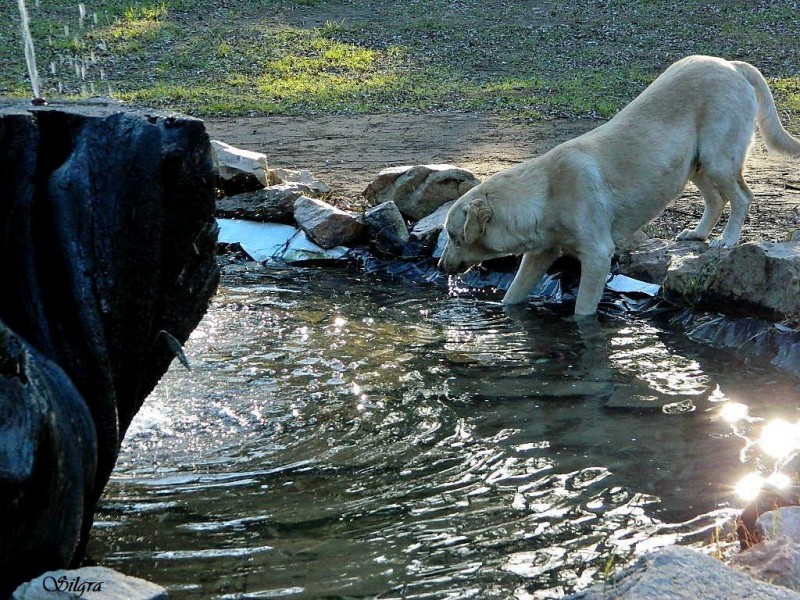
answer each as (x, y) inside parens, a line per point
(340, 438)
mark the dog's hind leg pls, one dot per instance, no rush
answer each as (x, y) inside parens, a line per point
(714, 203)
(530, 271)
(740, 196)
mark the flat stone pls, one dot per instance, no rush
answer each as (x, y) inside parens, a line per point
(327, 225)
(302, 177)
(273, 204)
(91, 583)
(427, 229)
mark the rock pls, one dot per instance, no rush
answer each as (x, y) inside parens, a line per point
(678, 573)
(91, 583)
(327, 225)
(776, 561)
(795, 236)
(781, 522)
(761, 278)
(633, 242)
(688, 275)
(650, 261)
(387, 229)
(427, 229)
(302, 177)
(748, 528)
(420, 190)
(239, 170)
(274, 204)
(108, 240)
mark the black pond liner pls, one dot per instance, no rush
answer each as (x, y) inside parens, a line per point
(750, 339)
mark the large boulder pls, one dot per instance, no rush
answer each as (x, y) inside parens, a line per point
(678, 573)
(327, 225)
(239, 170)
(108, 240)
(760, 278)
(419, 190)
(274, 204)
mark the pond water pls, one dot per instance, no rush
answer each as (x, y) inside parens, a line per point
(344, 435)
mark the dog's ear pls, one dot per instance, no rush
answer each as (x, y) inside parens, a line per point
(478, 214)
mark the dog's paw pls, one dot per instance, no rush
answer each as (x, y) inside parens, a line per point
(689, 234)
(719, 243)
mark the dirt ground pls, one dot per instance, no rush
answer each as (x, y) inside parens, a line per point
(348, 151)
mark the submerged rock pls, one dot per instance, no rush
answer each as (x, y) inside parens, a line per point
(420, 190)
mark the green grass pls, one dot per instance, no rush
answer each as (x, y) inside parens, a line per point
(525, 60)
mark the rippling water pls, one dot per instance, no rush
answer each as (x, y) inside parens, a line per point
(349, 437)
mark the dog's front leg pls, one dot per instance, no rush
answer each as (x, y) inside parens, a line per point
(594, 273)
(530, 271)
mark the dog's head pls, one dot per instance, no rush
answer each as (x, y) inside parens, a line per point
(469, 236)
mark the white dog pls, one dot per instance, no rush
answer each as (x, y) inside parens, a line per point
(695, 122)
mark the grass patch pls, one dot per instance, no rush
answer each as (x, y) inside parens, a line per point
(581, 59)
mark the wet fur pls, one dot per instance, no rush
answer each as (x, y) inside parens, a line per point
(694, 122)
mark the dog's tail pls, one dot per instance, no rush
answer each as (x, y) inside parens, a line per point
(776, 138)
